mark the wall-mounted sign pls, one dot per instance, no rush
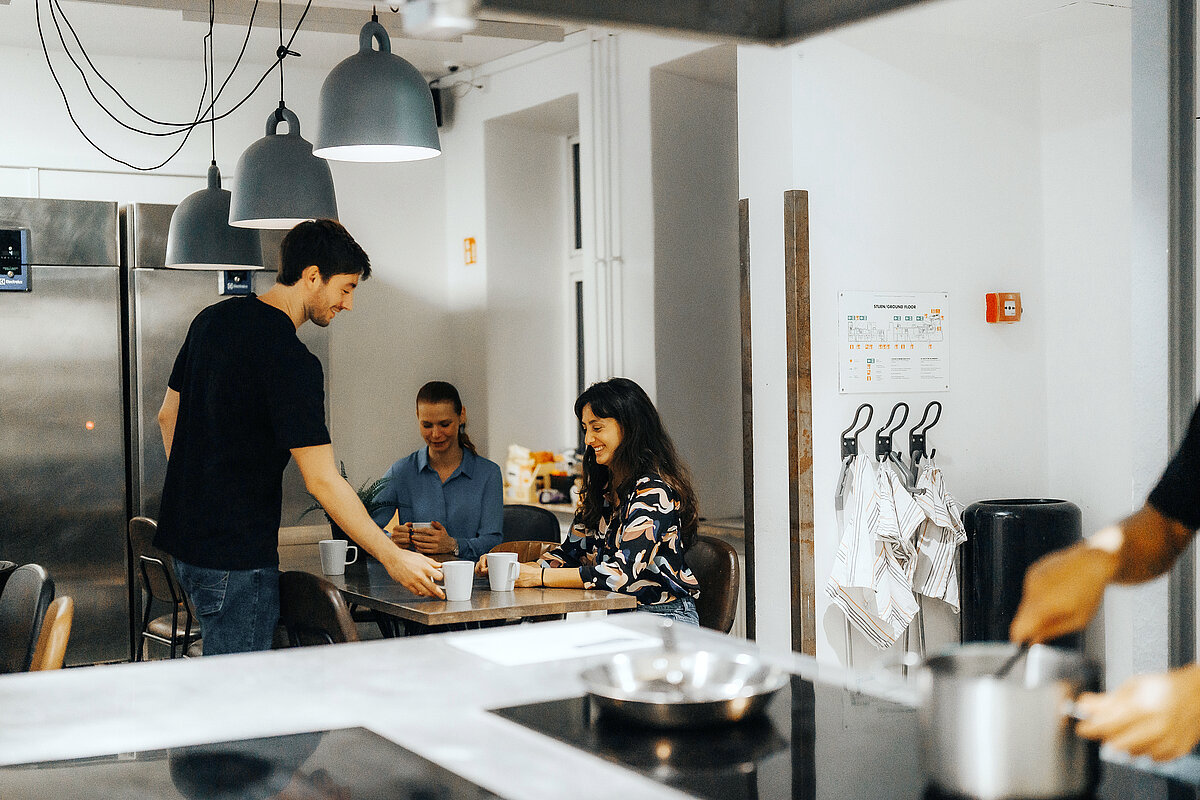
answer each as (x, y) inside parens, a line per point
(14, 260)
(469, 253)
(893, 342)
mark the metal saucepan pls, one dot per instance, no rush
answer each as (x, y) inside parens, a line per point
(678, 687)
(993, 738)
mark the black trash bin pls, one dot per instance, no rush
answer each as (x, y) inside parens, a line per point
(1005, 537)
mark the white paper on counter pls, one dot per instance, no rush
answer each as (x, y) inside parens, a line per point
(534, 644)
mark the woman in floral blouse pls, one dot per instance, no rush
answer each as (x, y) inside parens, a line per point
(637, 510)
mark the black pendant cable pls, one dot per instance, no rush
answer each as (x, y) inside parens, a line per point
(283, 52)
(203, 115)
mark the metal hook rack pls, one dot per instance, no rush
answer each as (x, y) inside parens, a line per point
(917, 437)
(850, 443)
(883, 443)
(849, 451)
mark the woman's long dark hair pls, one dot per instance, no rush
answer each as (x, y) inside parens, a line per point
(645, 448)
(442, 392)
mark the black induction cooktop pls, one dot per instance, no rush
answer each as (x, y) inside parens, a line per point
(813, 742)
(347, 764)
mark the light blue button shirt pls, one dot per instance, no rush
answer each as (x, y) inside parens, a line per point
(470, 504)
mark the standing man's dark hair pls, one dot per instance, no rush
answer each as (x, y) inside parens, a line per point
(244, 397)
(327, 244)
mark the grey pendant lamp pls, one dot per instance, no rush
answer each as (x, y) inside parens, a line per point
(200, 236)
(375, 106)
(279, 182)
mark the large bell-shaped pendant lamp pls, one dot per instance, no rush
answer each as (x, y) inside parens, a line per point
(279, 182)
(200, 236)
(375, 106)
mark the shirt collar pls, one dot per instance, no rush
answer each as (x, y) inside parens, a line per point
(465, 468)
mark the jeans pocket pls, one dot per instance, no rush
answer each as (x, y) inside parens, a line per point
(206, 588)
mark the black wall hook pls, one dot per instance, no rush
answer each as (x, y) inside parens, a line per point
(850, 443)
(918, 436)
(883, 443)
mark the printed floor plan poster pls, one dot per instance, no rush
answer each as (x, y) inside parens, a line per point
(893, 342)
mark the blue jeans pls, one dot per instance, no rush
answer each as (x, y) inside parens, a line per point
(238, 609)
(682, 609)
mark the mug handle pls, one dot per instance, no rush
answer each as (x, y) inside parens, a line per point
(350, 547)
(513, 572)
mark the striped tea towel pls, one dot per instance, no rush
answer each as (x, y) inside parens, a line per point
(871, 581)
(940, 535)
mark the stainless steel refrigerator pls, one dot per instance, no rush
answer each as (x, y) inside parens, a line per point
(85, 354)
(62, 414)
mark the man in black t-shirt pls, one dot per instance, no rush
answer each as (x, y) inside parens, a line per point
(1156, 715)
(246, 395)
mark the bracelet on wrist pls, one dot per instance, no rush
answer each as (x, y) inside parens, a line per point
(543, 576)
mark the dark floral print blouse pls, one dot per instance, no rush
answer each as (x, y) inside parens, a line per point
(638, 549)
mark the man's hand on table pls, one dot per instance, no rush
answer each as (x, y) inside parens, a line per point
(415, 572)
(432, 539)
(1152, 715)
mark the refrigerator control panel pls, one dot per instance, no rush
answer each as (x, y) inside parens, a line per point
(233, 281)
(14, 260)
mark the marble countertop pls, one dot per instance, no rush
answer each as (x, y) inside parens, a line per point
(423, 693)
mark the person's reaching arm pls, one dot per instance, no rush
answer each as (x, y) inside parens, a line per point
(167, 415)
(1063, 589)
(412, 570)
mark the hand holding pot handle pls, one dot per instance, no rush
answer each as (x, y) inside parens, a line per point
(1153, 715)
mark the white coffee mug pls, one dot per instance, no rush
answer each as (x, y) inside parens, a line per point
(333, 556)
(458, 577)
(503, 570)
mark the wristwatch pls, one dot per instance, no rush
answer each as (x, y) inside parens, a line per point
(455, 551)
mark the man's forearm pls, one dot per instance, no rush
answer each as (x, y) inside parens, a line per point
(1146, 544)
(341, 503)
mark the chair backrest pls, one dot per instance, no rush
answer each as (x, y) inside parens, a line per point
(56, 631)
(715, 565)
(313, 611)
(530, 524)
(526, 551)
(154, 566)
(23, 603)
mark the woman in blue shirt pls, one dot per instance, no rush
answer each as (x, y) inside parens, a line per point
(446, 483)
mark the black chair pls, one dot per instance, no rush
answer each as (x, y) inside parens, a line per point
(23, 603)
(715, 565)
(530, 524)
(178, 629)
(313, 611)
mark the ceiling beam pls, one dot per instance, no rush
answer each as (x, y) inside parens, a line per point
(769, 21)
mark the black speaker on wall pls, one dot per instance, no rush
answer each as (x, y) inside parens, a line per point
(437, 103)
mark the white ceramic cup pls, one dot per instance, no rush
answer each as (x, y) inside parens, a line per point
(333, 556)
(457, 576)
(503, 570)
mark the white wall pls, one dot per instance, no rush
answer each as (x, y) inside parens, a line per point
(529, 394)
(937, 163)
(589, 67)
(1087, 207)
(697, 326)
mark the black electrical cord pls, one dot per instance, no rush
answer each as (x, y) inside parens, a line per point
(55, 11)
(185, 128)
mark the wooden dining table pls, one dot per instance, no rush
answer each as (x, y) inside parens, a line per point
(368, 584)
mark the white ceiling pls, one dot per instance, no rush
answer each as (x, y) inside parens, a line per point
(175, 28)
